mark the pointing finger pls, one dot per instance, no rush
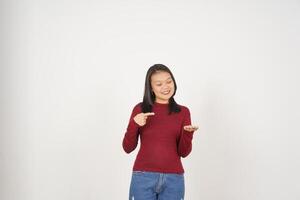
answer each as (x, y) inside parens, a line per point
(149, 114)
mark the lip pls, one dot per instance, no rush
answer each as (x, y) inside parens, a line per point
(166, 92)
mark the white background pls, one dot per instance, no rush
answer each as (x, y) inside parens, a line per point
(71, 72)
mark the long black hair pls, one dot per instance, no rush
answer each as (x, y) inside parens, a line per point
(149, 96)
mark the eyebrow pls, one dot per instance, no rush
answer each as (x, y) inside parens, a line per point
(166, 79)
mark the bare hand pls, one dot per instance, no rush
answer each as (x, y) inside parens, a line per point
(190, 128)
(141, 118)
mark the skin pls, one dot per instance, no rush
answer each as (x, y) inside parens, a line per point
(161, 82)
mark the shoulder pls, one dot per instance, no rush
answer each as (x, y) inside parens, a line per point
(137, 107)
(184, 109)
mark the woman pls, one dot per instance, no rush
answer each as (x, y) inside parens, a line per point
(166, 134)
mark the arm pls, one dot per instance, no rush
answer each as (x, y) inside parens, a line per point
(130, 139)
(185, 141)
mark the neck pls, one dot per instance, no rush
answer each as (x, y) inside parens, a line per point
(161, 102)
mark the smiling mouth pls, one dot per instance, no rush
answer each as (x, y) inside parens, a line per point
(167, 92)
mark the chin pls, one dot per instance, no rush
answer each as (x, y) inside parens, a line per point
(167, 99)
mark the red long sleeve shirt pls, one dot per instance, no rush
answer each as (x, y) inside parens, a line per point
(163, 139)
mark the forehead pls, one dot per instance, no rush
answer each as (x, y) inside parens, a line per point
(160, 76)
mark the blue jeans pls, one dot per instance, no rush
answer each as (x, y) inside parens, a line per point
(156, 186)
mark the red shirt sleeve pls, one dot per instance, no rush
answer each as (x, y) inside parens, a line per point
(185, 141)
(130, 139)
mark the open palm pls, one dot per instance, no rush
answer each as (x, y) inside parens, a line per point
(190, 128)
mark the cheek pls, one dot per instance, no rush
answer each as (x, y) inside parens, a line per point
(155, 89)
(173, 86)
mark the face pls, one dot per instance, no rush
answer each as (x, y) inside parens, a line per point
(163, 86)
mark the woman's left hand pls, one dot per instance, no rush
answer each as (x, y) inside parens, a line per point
(190, 128)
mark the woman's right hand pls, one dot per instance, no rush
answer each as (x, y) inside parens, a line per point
(141, 118)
